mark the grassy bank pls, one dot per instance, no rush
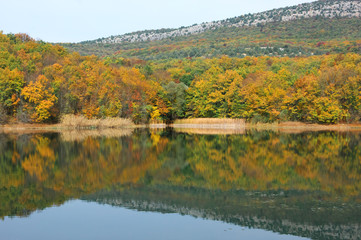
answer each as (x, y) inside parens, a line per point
(72, 122)
(81, 122)
(218, 123)
(295, 127)
(197, 125)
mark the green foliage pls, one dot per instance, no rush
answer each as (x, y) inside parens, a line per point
(11, 84)
(175, 100)
(3, 115)
(302, 37)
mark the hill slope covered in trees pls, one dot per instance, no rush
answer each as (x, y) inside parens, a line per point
(39, 82)
(319, 9)
(303, 30)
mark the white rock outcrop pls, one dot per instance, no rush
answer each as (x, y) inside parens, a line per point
(326, 9)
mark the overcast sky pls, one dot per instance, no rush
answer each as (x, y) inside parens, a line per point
(79, 20)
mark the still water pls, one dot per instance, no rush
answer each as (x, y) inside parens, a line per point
(167, 184)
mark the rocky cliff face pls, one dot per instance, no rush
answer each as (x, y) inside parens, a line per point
(322, 9)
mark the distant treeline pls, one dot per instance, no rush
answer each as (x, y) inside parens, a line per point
(40, 82)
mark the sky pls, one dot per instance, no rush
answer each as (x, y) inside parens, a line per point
(80, 20)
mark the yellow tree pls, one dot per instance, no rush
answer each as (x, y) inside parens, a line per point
(41, 96)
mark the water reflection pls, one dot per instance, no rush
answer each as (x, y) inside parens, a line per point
(92, 221)
(305, 184)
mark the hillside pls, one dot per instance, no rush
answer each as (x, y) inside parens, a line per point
(307, 29)
(324, 9)
(40, 82)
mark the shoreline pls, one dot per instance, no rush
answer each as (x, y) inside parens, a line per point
(291, 127)
(43, 128)
(294, 127)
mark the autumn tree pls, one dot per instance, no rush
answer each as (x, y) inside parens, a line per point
(41, 99)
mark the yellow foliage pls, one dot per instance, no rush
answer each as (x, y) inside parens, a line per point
(42, 96)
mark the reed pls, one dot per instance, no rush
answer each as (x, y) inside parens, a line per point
(219, 123)
(81, 122)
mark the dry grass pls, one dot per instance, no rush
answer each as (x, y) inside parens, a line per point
(298, 127)
(218, 123)
(81, 122)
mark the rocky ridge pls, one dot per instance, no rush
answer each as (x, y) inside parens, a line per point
(322, 9)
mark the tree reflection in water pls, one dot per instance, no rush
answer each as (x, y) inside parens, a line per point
(306, 184)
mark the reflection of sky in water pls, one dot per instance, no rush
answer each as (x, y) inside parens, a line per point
(82, 220)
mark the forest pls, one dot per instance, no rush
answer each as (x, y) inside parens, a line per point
(40, 82)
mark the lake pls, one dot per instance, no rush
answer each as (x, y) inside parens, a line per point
(178, 184)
